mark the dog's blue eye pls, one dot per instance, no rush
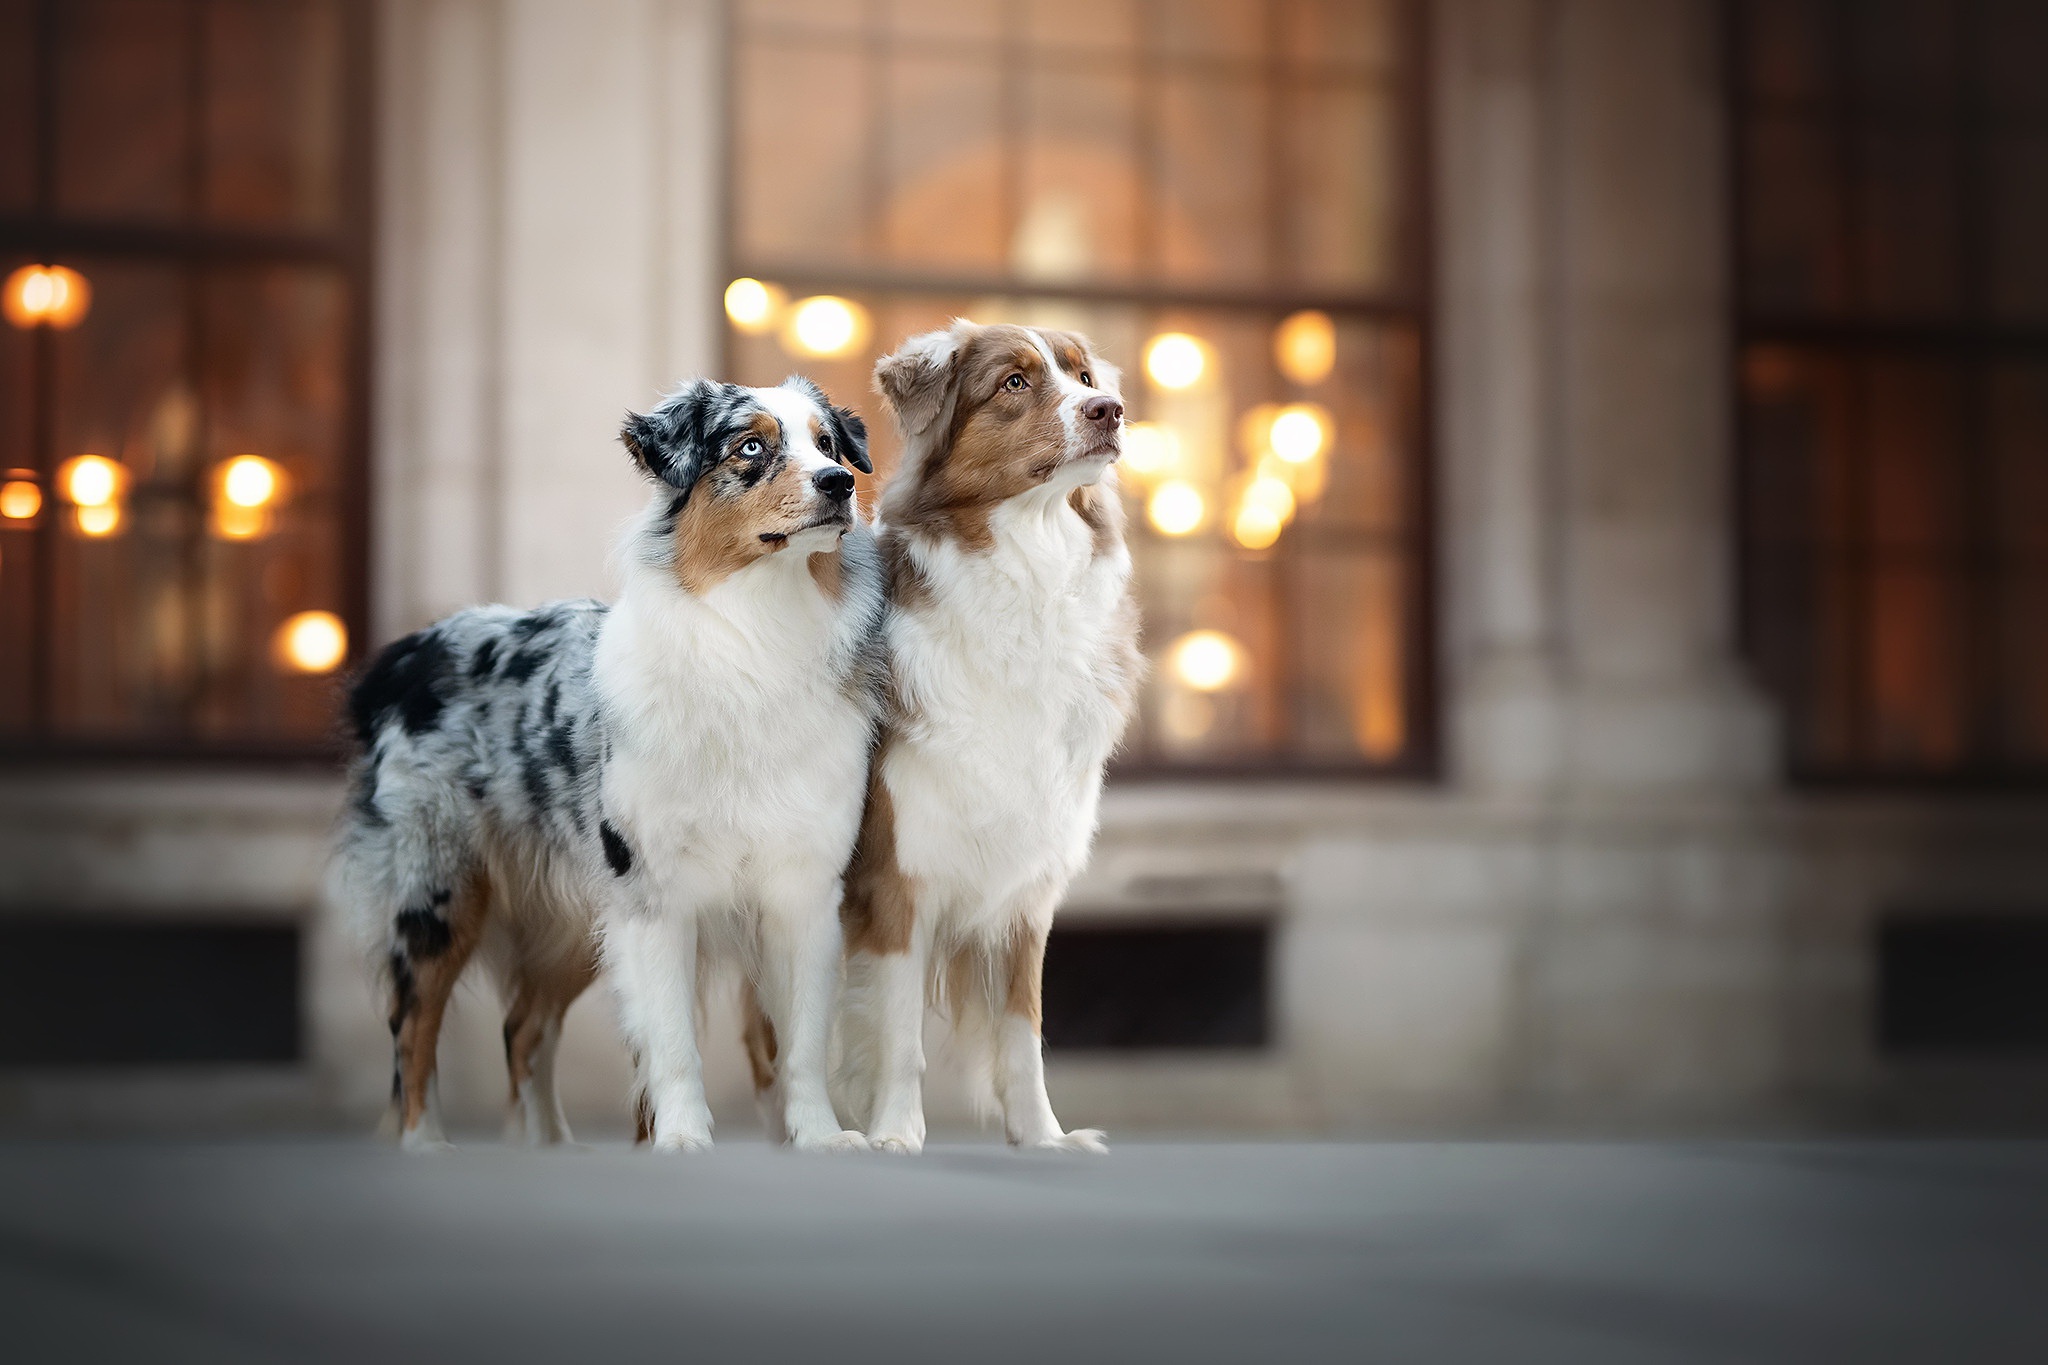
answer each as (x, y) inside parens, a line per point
(753, 446)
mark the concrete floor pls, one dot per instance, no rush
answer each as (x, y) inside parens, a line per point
(1502, 1252)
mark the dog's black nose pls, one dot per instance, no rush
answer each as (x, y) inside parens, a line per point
(833, 483)
(1106, 411)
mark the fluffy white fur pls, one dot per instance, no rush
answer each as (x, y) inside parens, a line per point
(1011, 673)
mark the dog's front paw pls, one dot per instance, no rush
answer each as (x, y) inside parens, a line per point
(1088, 1140)
(896, 1144)
(682, 1142)
(846, 1140)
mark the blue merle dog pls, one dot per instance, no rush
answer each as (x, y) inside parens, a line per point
(670, 782)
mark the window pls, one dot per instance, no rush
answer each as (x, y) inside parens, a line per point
(1227, 197)
(183, 234)
(1893, 370)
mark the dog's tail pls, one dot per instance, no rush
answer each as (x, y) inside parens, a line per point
(407, 847)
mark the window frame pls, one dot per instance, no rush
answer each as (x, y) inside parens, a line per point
(348, 248)
(1971, 339)
(1412, 308)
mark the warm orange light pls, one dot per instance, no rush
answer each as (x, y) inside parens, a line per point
(1256, 527)
(827, 327)
(20, 500)
(754, 307)
(91, 480)
(249, 481)
(1206, 660)
(1176, 507)
(1151, 450)
(1305, 347)
(101, 520)
(312, 642)
(231, 522)
(1176, 360)
(46, 296)
(1301, 431)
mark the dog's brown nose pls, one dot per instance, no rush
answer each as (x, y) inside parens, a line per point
(1106, 411)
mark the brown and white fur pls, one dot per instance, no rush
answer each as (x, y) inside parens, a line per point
(672, 781)
(1012, 642)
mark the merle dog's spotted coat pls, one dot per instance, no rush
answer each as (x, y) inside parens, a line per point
(484, 739)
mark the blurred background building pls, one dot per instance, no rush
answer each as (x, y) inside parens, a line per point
(1588, 470)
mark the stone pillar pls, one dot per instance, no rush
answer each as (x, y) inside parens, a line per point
(1584, 401)
(1496, 392)
(549, 200)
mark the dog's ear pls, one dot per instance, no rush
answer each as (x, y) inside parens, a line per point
(672, 442)
(917, 381)
(849, 433)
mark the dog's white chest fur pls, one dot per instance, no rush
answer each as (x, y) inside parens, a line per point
(734, 740)
(998, 770)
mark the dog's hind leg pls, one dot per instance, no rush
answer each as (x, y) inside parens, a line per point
(533, 1032)
(758, 1033)
(430, 949)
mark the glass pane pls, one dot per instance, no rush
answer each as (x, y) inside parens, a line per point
(2013, 36)
(17, 105)
(1353, 34)
(1227, 30)
(2017, 264)
(1917, 632)
(934, 22)
(1082, 188)
(1343, 169)
(1917, 477)
(1214, 220)
(1792, 231)
(834, 18)
(1909, 191)
(273, 111)
(1906, 51)
(945, 171)
(1791, 49)
(801, 179)
(2023, 669)
(1349, 621)
(124, 134)
(2019, 460)
(1199, 584)
(1799, 421)
(119, 662)
(1099, 29)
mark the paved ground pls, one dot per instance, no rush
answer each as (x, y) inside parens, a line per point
(1508, 1252)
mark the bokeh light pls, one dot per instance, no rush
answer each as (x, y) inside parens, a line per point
(826, 327)
(1176, 507)
(46, 296)
(1300, 432)
(312, 642)
(1305, 347)
(1175, 360)
(1206, 660)
(1151, 450)
(91, 480)
(249, 481)
(103, 519)
(20, 500)
(754, 307)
